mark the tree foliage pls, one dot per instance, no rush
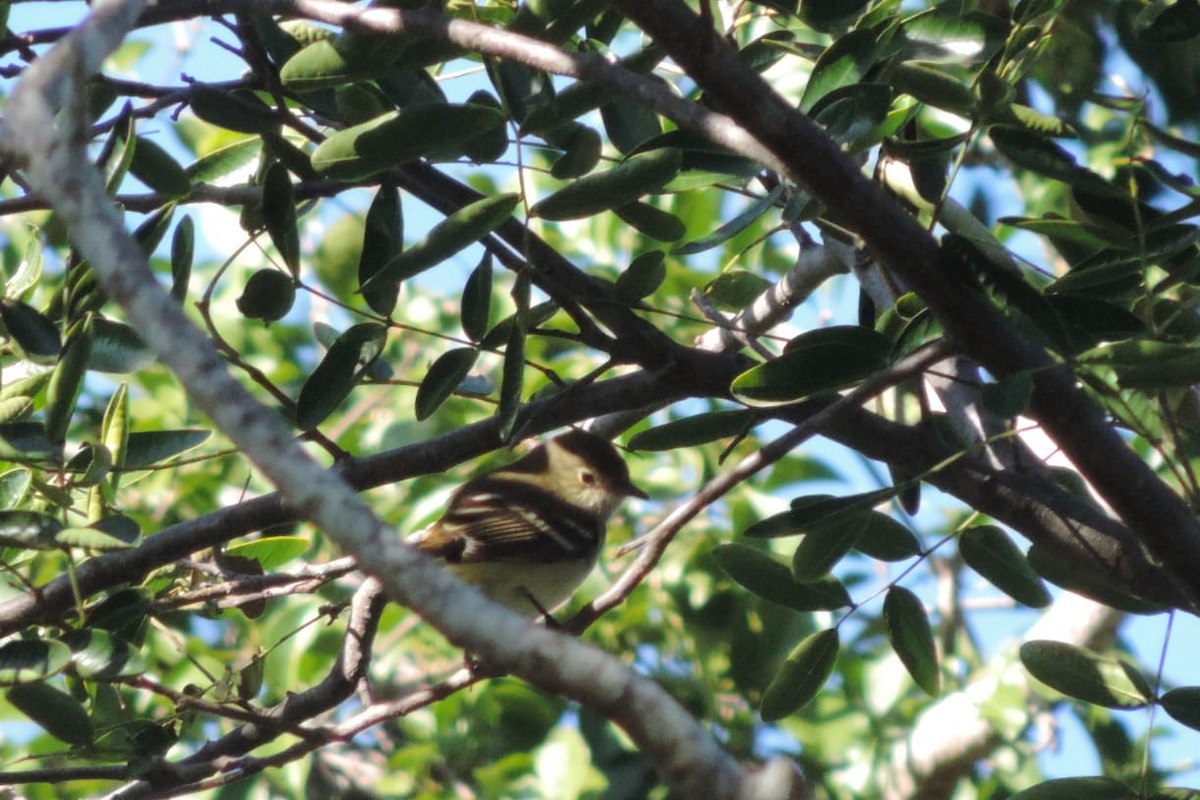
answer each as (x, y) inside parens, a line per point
(932, 236)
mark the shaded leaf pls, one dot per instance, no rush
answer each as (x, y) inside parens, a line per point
(770, 579)
(695, 430)
(443, 378)
(98, 655)
(338, 373)
(31, 660)
(802, 675)
(637, 175)
(911, 635)
(1086, 675)
(456, 232)
(55, 711)
(989, 551)
(268, 295)
(815, 363)
(397, 137)
(147, 448)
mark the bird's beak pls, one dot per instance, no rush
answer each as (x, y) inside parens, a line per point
(629, 490)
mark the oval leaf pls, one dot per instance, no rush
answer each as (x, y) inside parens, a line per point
(816, 363)
(802, 675)
(823, 547)
(884, 538)
(989, 551)
(623, 184)
(268, 295)
(279, 215)
(695, 430)
(461, 229)
(30, 660)
(338, 373)
(395, 138)
(146, 448)
(36, 335)
(1086, 675)
(443, 378)
(771, 580)
(476, 305)
(98, 655)
(55, 711)
(1183, 705)
(911, 636)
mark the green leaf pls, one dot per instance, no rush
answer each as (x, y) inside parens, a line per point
(123, 613)
(401, 136)
(383, 240)
(695, 430)
(183, 247)
(155, 167)
(911, 636)
(581, 147)
(1148, 363)
(26, 441)
(279, 215)
(812, 511)
(1076, 789)
(223, 161)
(640, 174)
(951, 36)
(91, 539)
(989, 551)
(271, 552)
(14, 487)
(456, 232)
(34, 333)
(662, 226)
(117, 349)
(763, 575)
(476, 306)
(512, 377)
(338, 373)
(147, 448)
(99, 656)
(933, 87)
(67, 380)
(239, 110)
(1035, 152)
(56, 712)
(733, 227)
(629, 122)
(843, 63)
(822, 547)
(31, 660)
(1085, 579)
(1183, 705)
(734, 289)
(443, 378)
(642, 277)
(802, 675)
(29, 271)
(118, 149)
(268, 295)
(1086, 675)
(815, 363)
(884, 538)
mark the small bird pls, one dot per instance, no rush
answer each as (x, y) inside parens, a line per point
(529, 533)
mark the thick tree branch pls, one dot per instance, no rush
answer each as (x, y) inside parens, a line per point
(895, 239)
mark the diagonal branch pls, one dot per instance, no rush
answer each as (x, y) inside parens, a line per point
(895, 239)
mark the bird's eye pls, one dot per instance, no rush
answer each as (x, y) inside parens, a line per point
(587, 478)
